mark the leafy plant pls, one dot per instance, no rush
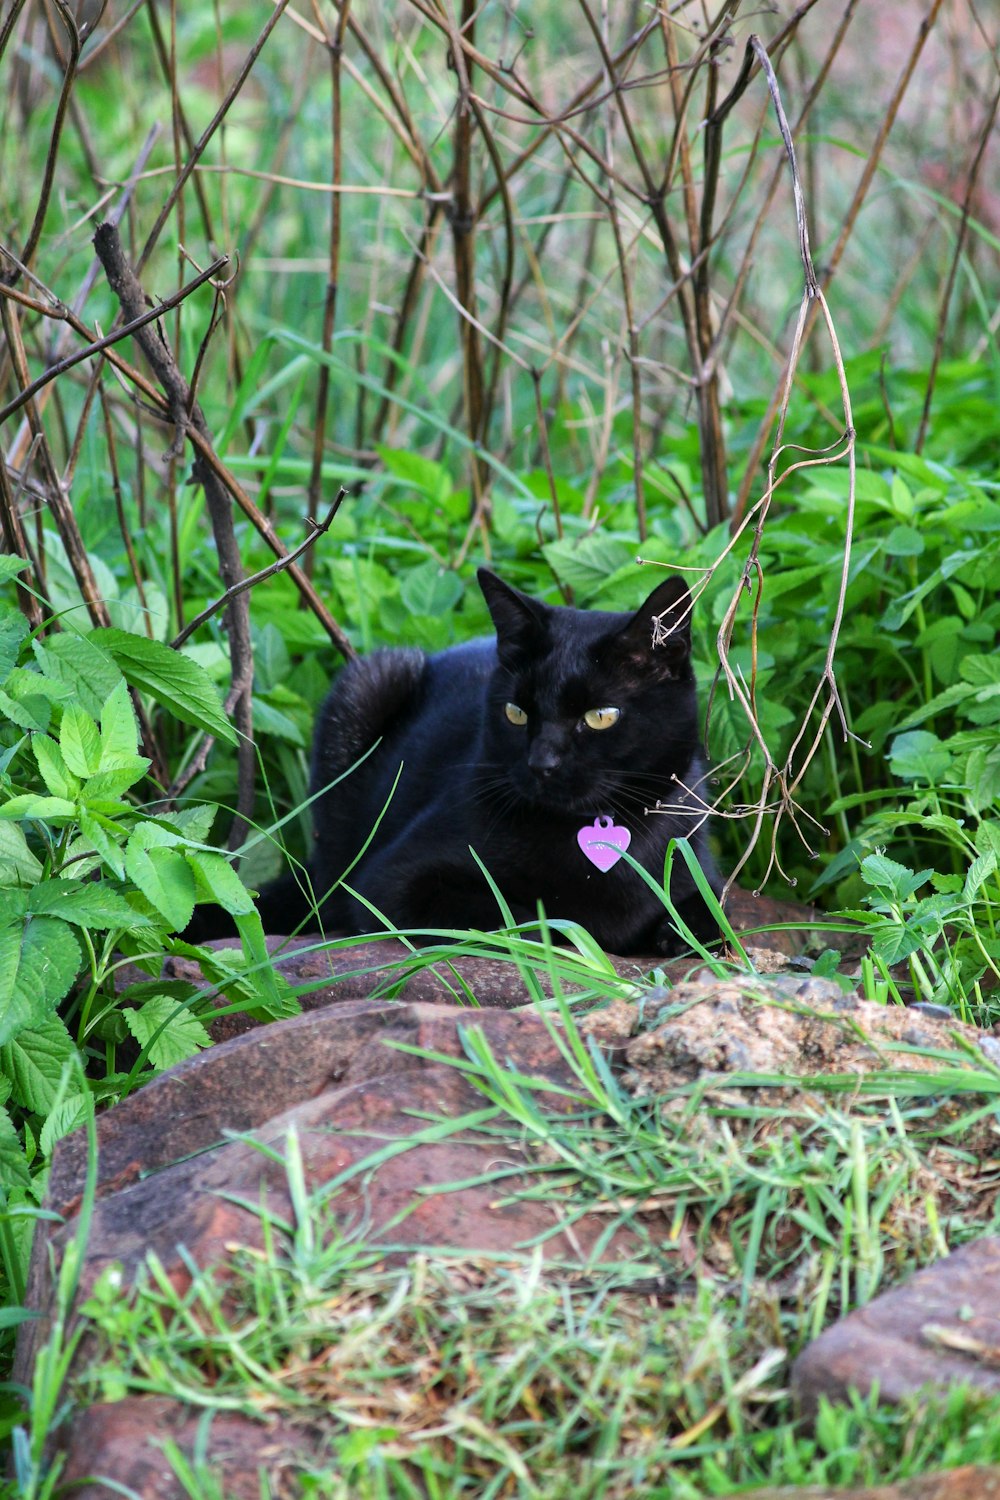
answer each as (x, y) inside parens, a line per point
(90, 878)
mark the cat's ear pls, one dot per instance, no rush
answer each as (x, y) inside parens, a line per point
(659, 633)
(520, 621)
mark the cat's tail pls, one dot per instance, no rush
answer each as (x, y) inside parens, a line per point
(369, 696)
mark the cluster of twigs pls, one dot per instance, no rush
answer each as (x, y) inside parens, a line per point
(588, 226)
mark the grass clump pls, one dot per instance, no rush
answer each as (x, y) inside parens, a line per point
(661, 1368)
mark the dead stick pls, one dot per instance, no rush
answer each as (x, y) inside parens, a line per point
(188, 416)
(282, 563)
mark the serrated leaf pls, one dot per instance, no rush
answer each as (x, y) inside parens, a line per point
(586, 563)
(111, 783)
(102, 842)
(49, 809)
(33, 1061)
(26, 713)
(13, 1162)
(39, 959)
(53, 769)
(18, 866)
(982, 867)
(173, 680)
(25, 684)
(982, 773)
(167, 1030)
(13, 629)
(221, 882)
(950, 697)
(119, 730)
(888, 875)
(161, 873)
(84, 903)
(987, 839)
(81, 666)
(79, 741)
(980, 671)
(67, 1116)
(894, 944)
(194, 823)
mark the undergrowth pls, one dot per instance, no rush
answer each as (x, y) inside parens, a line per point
(482, 302)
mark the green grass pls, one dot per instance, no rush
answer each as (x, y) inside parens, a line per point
(665, 1373)
(895, 825)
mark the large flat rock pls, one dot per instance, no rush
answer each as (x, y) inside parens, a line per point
(939, 1328)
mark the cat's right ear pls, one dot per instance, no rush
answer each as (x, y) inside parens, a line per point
(519, 621)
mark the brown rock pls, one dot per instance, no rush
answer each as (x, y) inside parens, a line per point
(332, 1078)
(940, 1327)
(121, 1442)
(785, 1027)
(387, 968)
(970, 1482)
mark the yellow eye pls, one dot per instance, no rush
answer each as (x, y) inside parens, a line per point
(515, 715)
(601, 718)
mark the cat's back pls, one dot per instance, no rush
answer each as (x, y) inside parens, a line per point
(400, 695)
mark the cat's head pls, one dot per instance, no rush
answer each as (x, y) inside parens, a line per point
(591, 711)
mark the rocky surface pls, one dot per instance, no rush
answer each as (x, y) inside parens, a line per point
(970, 1482)
(166, 1157)
(781, 1028)
(124, 1439)
(387, 968)
(941, 1326)
(176, 1161)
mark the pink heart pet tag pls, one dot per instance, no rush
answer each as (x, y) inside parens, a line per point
(596, 839)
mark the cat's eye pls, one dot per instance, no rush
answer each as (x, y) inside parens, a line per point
(601, 718)
(515, 715)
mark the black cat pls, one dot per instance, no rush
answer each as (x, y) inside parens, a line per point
(546, 751)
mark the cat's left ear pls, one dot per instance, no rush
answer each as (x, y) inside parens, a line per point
(659, 633)
(520, 622)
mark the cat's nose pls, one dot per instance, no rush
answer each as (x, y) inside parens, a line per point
(543, 758)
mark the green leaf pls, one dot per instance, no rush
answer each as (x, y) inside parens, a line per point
(76, 662)
(982, 867)
(430, 589)
(102, 842)
(904, 541)
(161, 873)
(919, 755)
(49, 809)
(119, 730)
(11, 565)
(18, 866)
(888, 875)
(113, 782)
(983, 775)
(39, 960)
(13, 1163)
(85, 903)
(13, 629)
(167, 1030)
(79, 741)
(33, 1061)
(54, 772)
(588, 562)
(981, 671)
(221, 882)
(26, 713)
(68, 1115)
(173, 680)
